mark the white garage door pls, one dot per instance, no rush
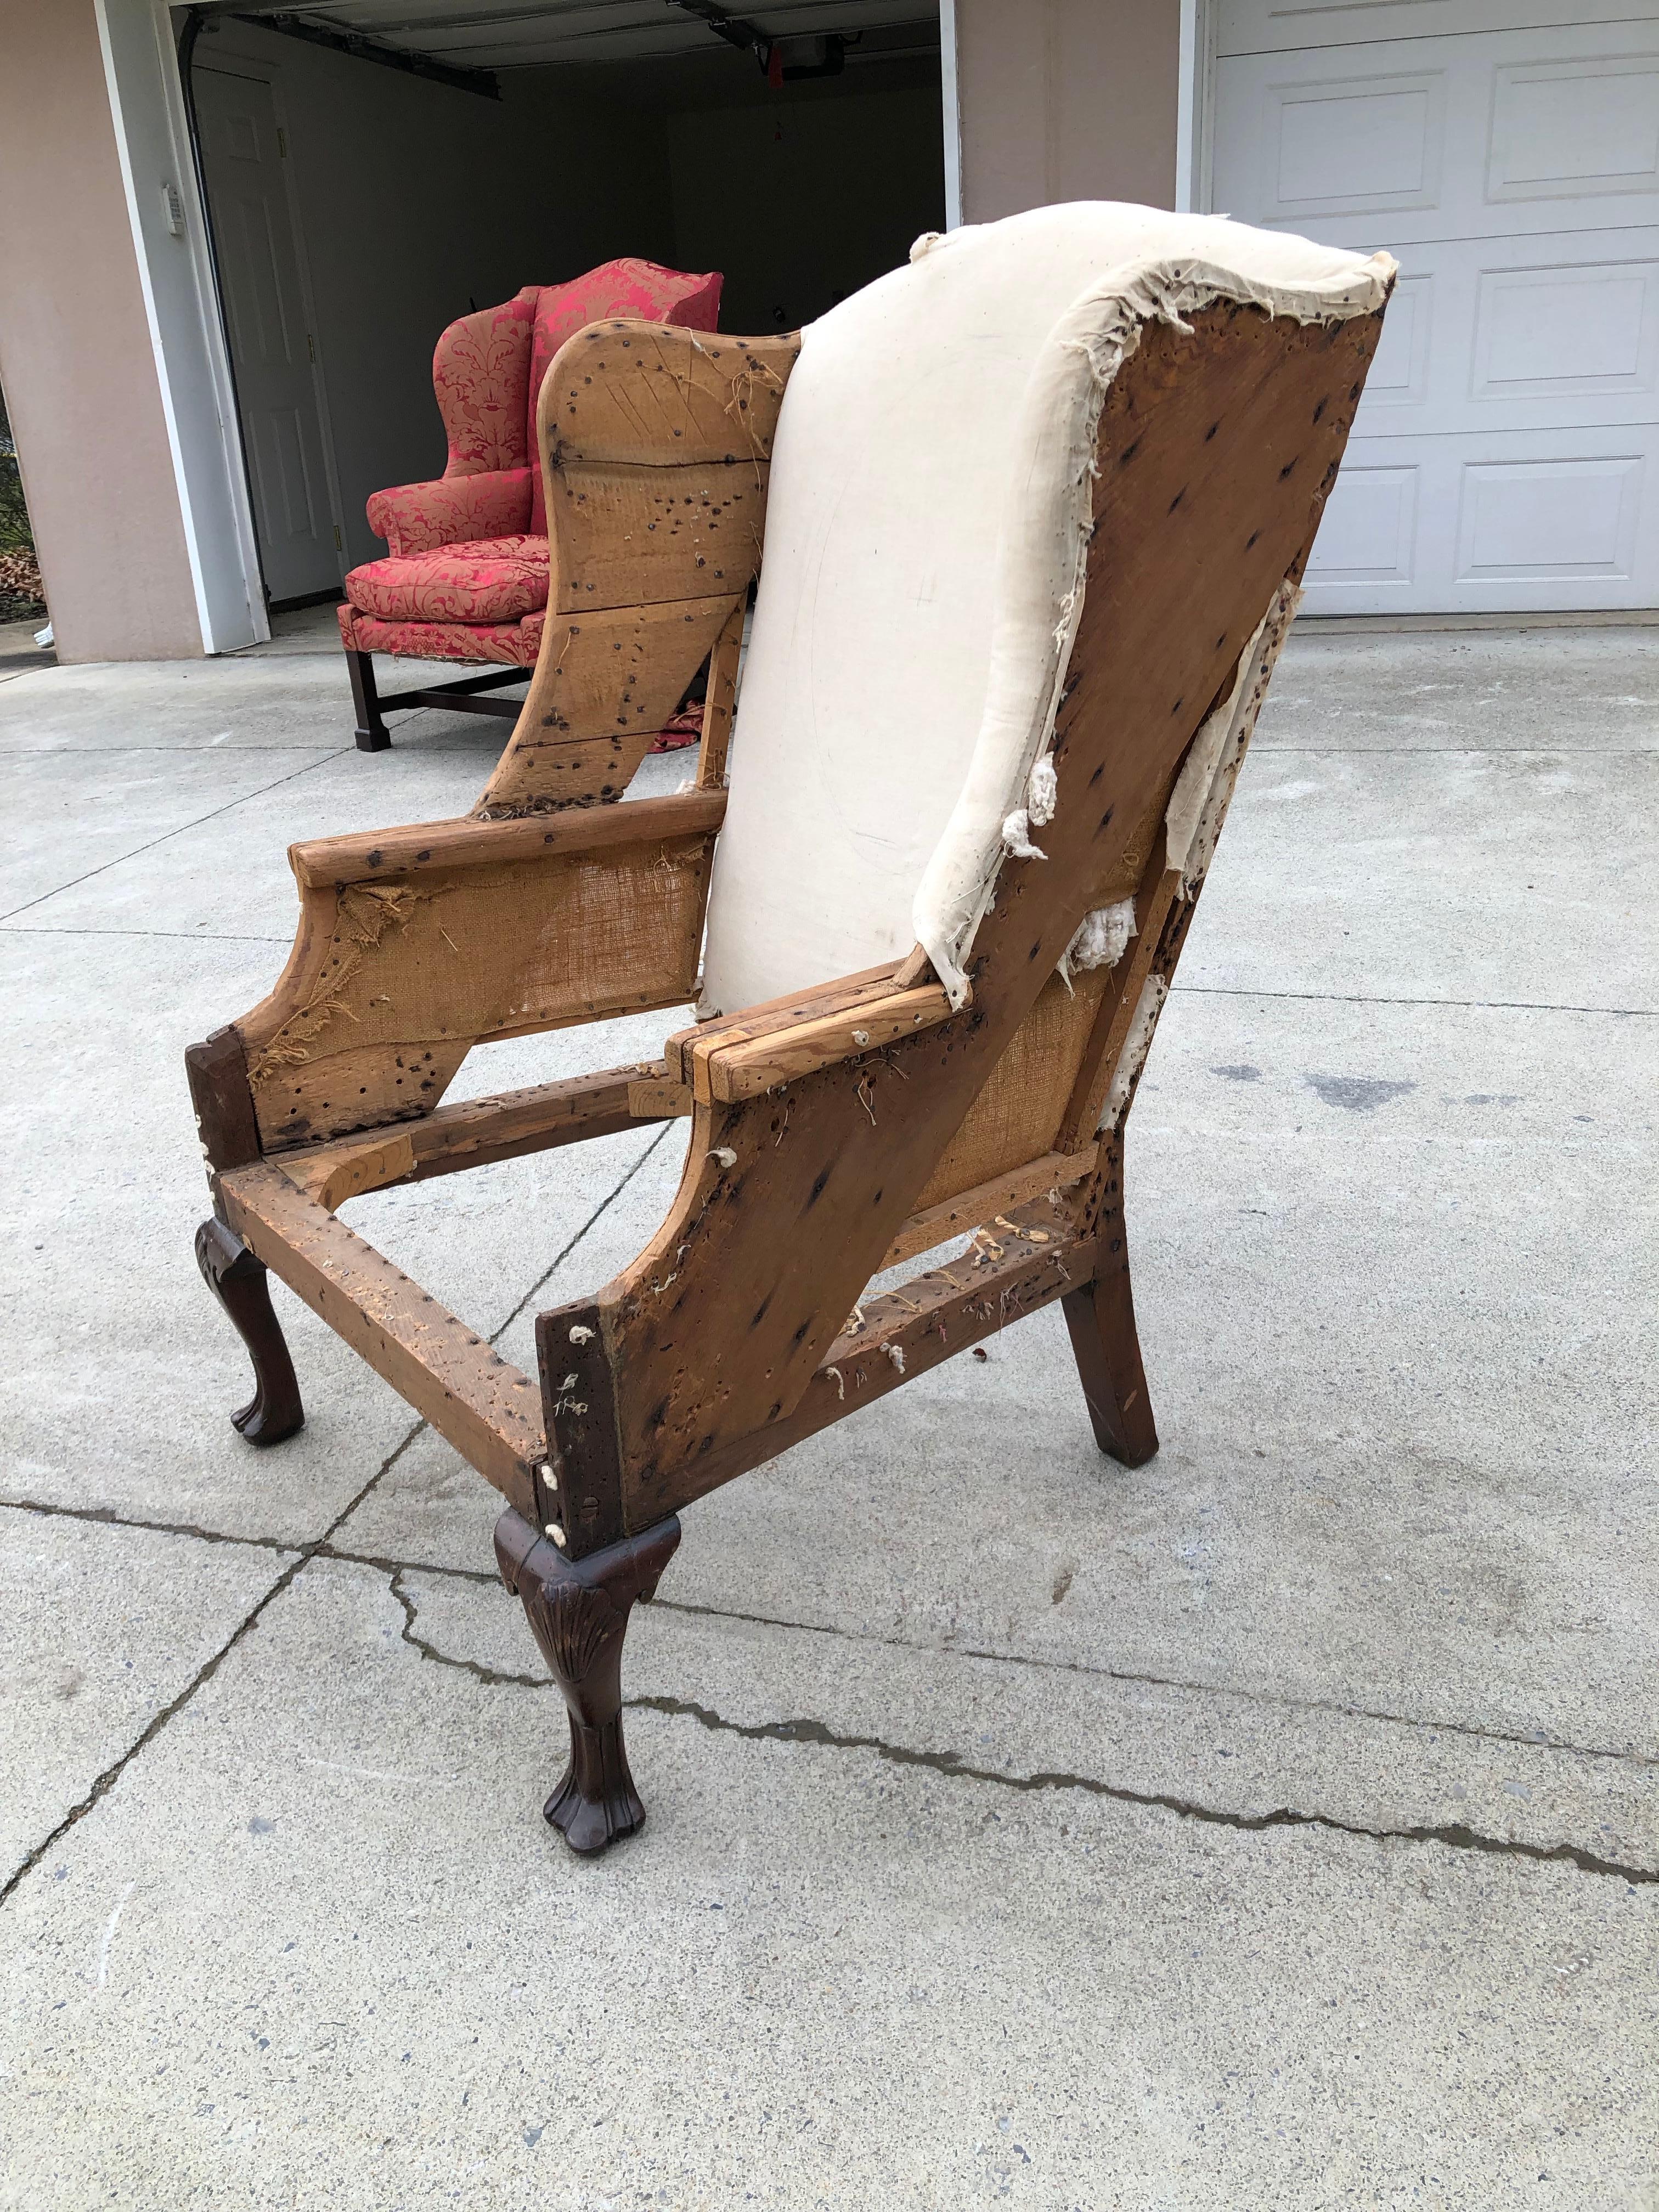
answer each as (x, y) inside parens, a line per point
(1506, 454)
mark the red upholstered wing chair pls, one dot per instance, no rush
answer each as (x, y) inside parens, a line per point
(466, 578)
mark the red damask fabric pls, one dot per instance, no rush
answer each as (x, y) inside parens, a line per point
(451, 511)
(467, 574)
(682, 729)
(515, 644)
(481, 373)
(494, 579)
(627, 287)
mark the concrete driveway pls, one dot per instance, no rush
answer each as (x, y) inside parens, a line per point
(1276, 1827)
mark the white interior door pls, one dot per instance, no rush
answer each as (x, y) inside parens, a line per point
(243, 154)
(1506, 453)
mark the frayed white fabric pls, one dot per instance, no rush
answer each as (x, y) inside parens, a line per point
(1192, 785)
(1204, 789)
(1101, 938)
(1017, 837)
(1136, 1046)
(926, 557)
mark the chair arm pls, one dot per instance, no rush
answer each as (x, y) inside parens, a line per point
(763, 1051)
(427, 847)
(416, 943)
(452, 510)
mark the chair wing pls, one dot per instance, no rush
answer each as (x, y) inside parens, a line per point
(929, 519)
(971, 691)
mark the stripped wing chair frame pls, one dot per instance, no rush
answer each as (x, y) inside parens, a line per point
(868, 1109)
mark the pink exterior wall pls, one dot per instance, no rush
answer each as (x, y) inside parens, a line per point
(1066, 99)
(76, 356)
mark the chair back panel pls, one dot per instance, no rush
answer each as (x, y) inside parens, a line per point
(921, 570)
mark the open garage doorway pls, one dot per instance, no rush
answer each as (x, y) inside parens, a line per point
(427, 158)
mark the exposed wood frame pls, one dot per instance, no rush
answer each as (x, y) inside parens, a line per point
(484, 1407)
(818, 1120)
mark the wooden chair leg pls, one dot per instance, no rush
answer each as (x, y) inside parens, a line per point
(1101, 1320)
(239, 1281)
(373, 735)
(1101, 1317)
(577, 1611)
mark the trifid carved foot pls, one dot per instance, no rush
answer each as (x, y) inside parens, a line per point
(577, 1612)
(238, 1281)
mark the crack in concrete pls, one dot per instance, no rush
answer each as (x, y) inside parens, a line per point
(106, 1517)
(1376, 999)
(1456, 1836)
(1334, 1706)
(112, 1774)
(192, 936)
(492, 1677)
(182, 830)
(385, 1564)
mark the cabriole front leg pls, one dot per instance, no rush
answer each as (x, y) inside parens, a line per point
(239, 1281)
(577, 1612)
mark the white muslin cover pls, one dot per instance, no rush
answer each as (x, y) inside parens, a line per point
(926, 543)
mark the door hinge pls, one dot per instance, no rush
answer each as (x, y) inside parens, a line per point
(339, 542)
(311, 346)
(282, 143)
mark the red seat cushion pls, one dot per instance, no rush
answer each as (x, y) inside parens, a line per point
(492, 579)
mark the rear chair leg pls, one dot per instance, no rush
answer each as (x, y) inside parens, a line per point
(1101, 1317)
(577, 1612)
(373, 735)
(238, 1281)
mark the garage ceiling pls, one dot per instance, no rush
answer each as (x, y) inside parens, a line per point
(500, 34)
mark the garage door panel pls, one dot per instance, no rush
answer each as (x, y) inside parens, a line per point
(1252, 27)
(1575, 130)
(1368, 539)
(1462, 525)
(1505, 454)
(1561, 333)
(1459, 137)
(1488, 334)
(1365, 146)
(1399, 375)
(1571, 520)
